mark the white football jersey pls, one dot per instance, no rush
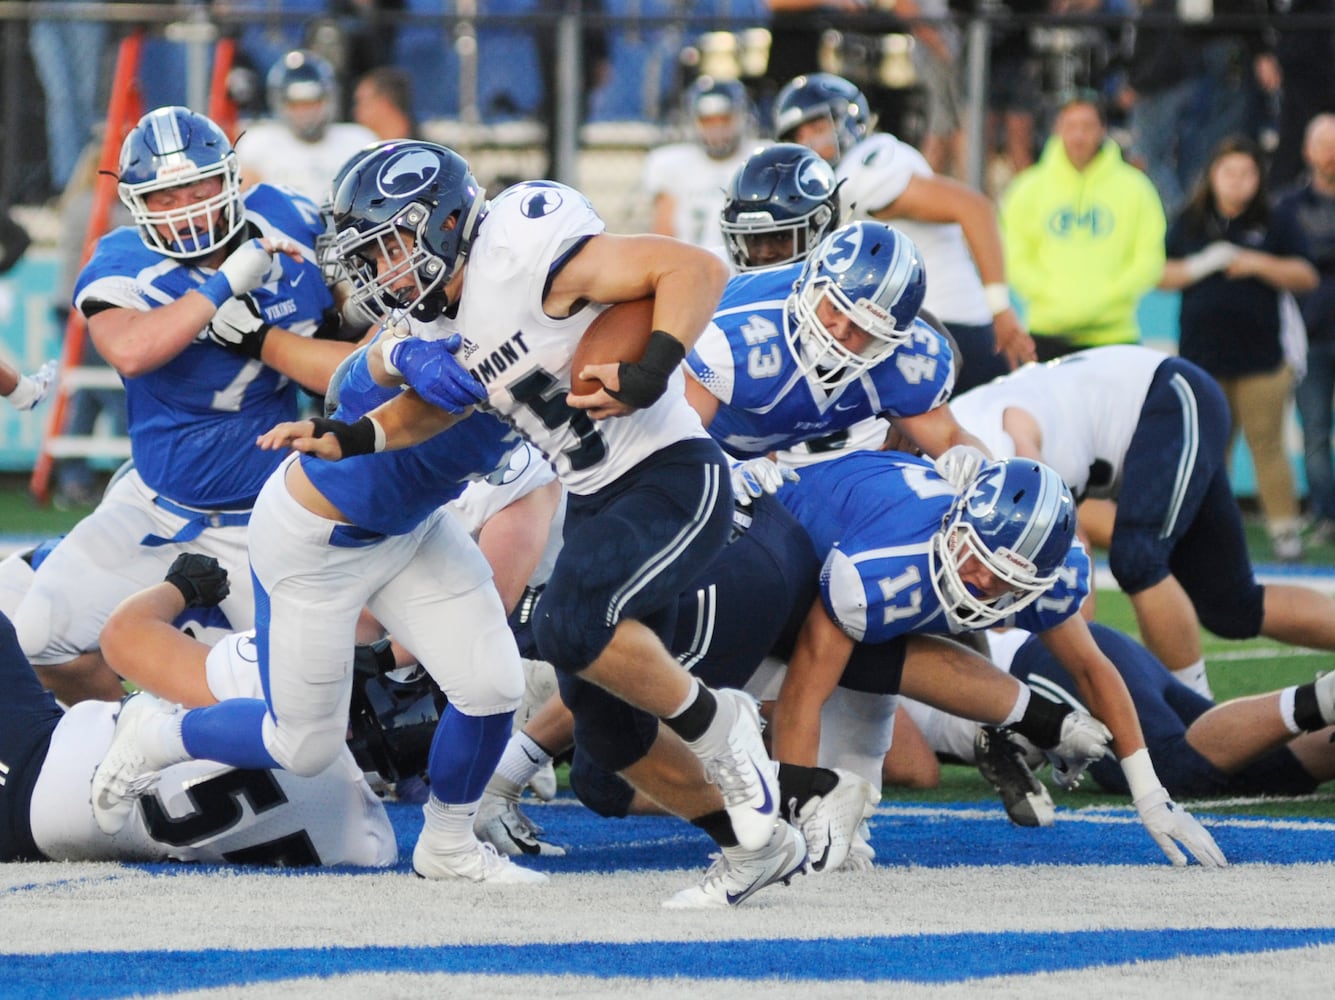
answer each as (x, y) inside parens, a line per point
(698, 185)
(522, 355)
(204, 811)
(269, 152)
(873, 174)
(1087, 406)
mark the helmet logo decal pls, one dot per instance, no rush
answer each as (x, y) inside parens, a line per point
(841, 249)
(405, 175)
(984, 492)
(813, 178)
(543, 201)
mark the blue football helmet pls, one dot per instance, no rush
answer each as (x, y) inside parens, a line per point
(823, 95)
(720, 113)
(1018, 518)
(871, 273)
(782, 201)
(171, 147)
(303, 91)
(406, 214)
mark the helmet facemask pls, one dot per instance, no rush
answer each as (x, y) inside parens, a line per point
(823, 359)
(198, 229)
(749, 231)
(364, 252)
(968, 610)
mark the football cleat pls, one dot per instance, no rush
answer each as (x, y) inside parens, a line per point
(829, 822)
(1001, 761)
(126, 772)
(501, 823)
(738, 874)
(478, 863)
(733, 753)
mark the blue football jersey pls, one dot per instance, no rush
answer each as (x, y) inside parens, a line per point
(193, 421)
(872, 515)
(391, 492)
(767, 404)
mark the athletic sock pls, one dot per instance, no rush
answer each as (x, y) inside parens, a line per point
(694, 715)
(523, 758)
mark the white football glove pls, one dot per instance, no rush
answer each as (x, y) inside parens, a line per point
(959, 464)
(1169, 824)
(32, 389)
(1084, 740)
(239, 327)
(245, 269)
(758, 476)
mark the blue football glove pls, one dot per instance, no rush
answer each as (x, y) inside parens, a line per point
(429, 366)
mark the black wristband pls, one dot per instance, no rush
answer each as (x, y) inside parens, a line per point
(643, 382)
(799, 784)
(253, 345)
(357, 438)
(1042, 721)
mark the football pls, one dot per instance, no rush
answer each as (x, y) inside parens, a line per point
(619, 333)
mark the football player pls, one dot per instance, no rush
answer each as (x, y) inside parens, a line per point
(328, 539)
(1151, 432)
(811, 354)
(1278, 743)
(26, 391)
(648, 496)
(909, 552)
(686, 180)
(781, 202)
(884, 178)
(166, 303)
(302, 146)
(198, 811)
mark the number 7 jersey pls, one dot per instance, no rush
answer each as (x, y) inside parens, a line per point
(522, 355)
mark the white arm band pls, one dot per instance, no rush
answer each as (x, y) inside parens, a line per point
(1139, 773)
(998, 296)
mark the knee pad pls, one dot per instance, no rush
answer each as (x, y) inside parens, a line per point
(1137, 560)
(305, 752)
(604, 792)
(566, 635)
(1238, 615)
(612, 733)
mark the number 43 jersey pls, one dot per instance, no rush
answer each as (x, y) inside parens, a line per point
(522, 355)
(204, 811)
(744, 358)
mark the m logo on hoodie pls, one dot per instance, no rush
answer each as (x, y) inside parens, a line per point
(1095, 222)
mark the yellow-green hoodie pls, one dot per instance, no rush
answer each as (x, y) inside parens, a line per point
(1083, 247)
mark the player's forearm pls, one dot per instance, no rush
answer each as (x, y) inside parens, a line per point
(308, 362)
(136, 342)
(408, 419)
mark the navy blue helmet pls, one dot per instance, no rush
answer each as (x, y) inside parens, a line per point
(823, 95)
(782, 201)
(406, 214)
